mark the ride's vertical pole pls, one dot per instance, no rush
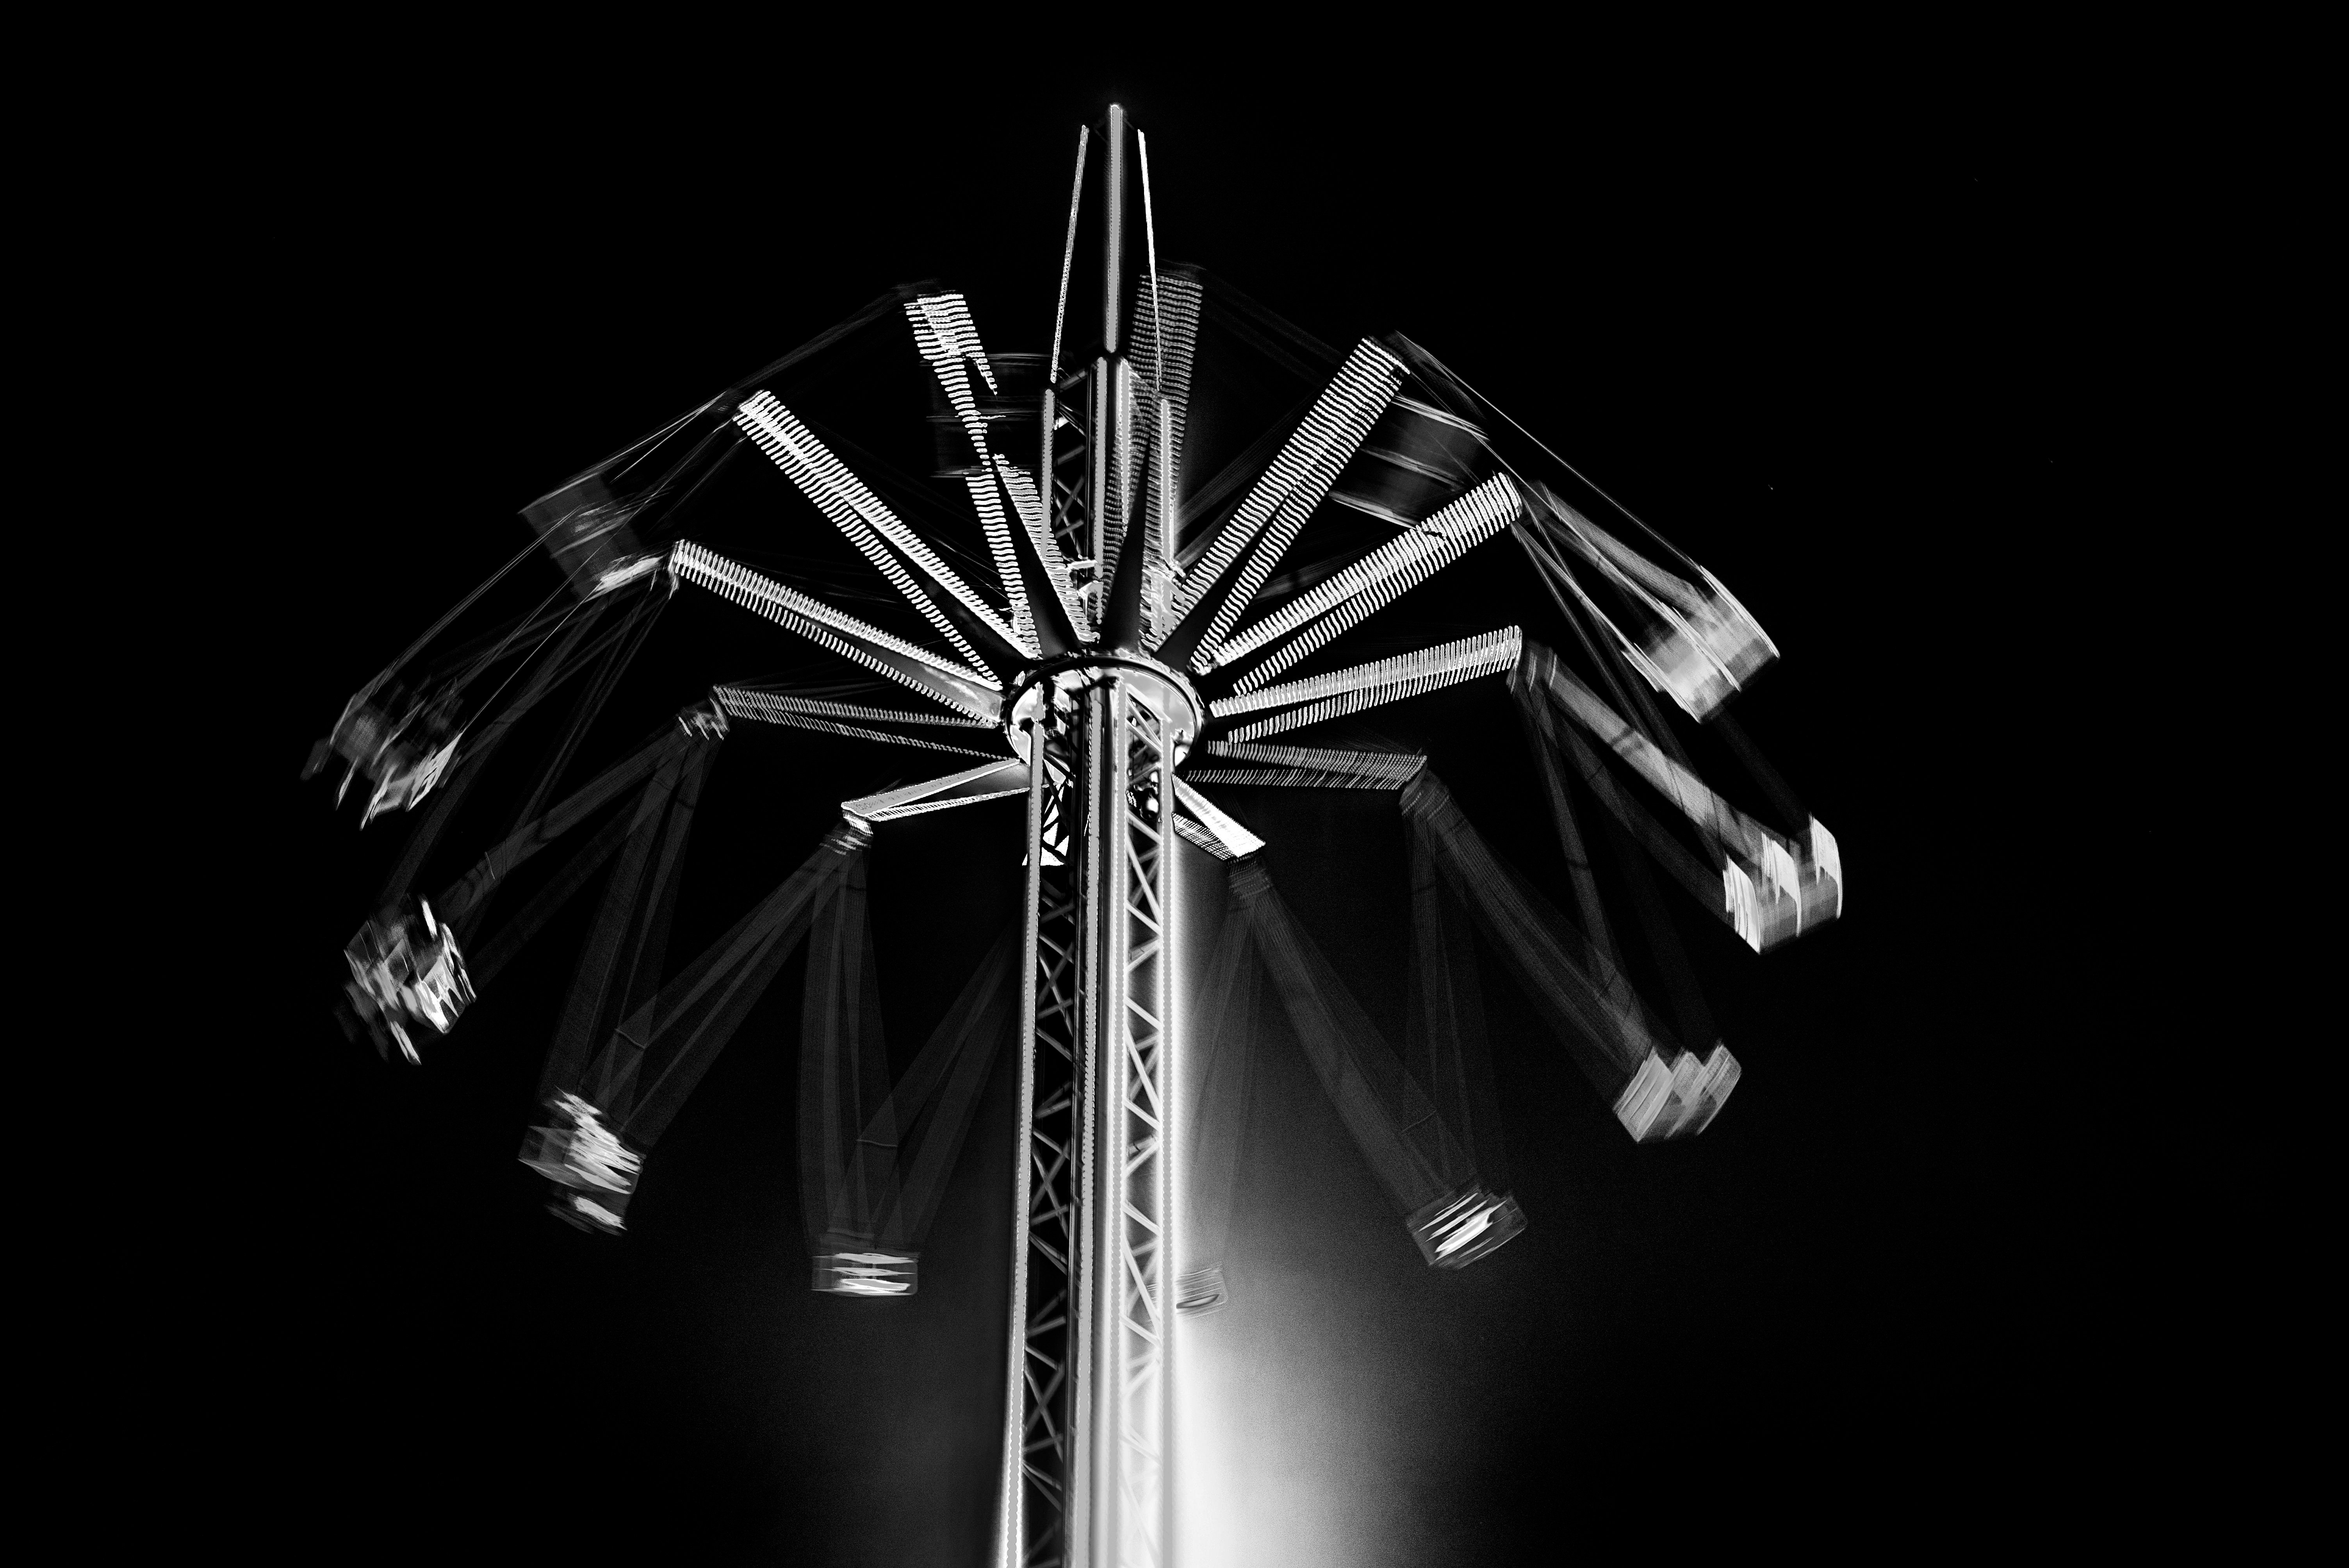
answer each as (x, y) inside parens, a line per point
(1172, 742)
(1045, 469)
(1145, 1273)
(1106, 1193)
(1113, 241)
(1010, 1505)
(1084, 1479)
(1040, 1494)
(1127, 1286)
(1090, 1475)
(1103, 543)
(1105, 841)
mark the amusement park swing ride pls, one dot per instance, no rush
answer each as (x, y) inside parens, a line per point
(1124, 644)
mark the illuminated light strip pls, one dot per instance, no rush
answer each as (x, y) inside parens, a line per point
(860, 732)
(751, 702)
(1293, 779)
(1368, 686)
(1306, 466)
(948, 340)
(828, 628)
(824, 480)
(1481, 650)
(1281, 530)
(1379, 578)
(1400, 765)
(920, 806)
(1232, 841)
(912, 800)
(944, 332)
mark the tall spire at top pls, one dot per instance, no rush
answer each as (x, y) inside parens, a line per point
(1113, 230)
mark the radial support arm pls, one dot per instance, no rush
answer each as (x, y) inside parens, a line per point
(1351, 690)
(855, 720)
(1375, 580)
(876, 650)
(992, 781)
(948, 340)
(1207, 827)
(1216, 591)
(1302, 766)
(895, 551)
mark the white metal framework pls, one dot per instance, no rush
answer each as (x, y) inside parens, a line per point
(1124, 653)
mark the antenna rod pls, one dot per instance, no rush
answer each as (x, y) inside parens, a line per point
(1112, 243)
(1068, 255)
(1150, 240)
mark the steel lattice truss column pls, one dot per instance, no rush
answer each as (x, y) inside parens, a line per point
(1046, 1243)
(1087, 1412)
(1131, 1206)
(1075, 473)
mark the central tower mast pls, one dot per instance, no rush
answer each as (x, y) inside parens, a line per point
(1103, 725)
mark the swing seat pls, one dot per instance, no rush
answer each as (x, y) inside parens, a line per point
(586, 531)
(1708, 658)
(1202, 1291)
(1781, 897)
(867, 1273)
(579, 1151)
(1662, 1102)
(406, 776)
(398, 982)
(599, 1213)
(1460, 1227)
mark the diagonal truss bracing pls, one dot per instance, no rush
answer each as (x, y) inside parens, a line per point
(1087, 1410)
(1028, 508)
(1034, 1508)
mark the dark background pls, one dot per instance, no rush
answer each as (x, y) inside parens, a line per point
(1828, 342)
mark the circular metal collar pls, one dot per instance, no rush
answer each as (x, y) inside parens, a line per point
(1164, 687)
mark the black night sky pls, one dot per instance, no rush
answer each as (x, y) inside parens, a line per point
(1821, 339)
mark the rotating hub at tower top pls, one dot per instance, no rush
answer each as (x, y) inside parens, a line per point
(1052, 686)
